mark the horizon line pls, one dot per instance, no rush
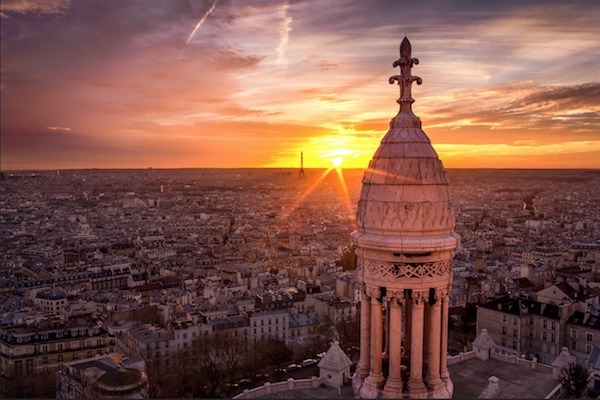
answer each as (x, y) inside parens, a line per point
(279, 168)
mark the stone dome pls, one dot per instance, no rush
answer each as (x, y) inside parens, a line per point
(404, 202)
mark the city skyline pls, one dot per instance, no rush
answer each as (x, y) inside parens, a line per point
(185, 84)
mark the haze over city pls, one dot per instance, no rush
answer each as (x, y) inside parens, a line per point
(174, 84)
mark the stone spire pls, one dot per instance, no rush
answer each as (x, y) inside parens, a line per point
(405, 117)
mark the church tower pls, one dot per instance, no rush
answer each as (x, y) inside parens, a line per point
(405, 244)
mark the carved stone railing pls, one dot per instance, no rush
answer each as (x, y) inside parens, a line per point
(268, 389)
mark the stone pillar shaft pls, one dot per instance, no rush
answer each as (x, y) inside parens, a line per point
(394, 381)
(407, 327)
(444, 345)
(375, 376)
(415, 382)
(434, 339)
(365, 334)
(387, 327)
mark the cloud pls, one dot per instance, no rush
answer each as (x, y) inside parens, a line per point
(523, 106)
(58, 128)
(284, 34)
(35, 7)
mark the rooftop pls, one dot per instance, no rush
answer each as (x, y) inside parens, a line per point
(470, 378)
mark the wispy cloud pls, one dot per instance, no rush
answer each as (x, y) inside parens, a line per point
(284, 34)
(199, 24)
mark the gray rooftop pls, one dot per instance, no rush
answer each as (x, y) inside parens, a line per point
(470, 378)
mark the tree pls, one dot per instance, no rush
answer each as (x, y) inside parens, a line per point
(269, 354)
(574, 378)
(348, 332)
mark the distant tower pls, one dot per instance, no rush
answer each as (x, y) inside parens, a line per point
(405, 243)
(301, 173)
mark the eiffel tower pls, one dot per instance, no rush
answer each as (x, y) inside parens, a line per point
(301, 173)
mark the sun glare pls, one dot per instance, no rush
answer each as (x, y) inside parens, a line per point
(337, 161)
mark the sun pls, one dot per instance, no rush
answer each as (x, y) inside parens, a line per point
(337, 162)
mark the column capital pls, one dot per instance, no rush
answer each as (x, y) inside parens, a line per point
(374, 292)
(444, 292)
(419, 297)
(391, 295)
(439, 294)
(363, 288)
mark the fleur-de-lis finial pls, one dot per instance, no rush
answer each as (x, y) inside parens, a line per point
(405, 79)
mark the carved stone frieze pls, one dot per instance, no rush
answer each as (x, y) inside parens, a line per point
(405, 217)
(399, 270)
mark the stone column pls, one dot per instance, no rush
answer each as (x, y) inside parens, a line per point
(393, 384)
(407, 329)
(364, 365)
(375, 377)
(416, 387)
(386, 327)
(445, 293)
(434, 342)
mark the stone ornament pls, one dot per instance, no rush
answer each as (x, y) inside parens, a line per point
(419, 297)
(398, 270)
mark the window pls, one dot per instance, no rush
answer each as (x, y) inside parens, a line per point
(515, 320)
(515, 332)
(18, 367)
(589, 337)
(553, 338)
(504, 330)
(61, 357)
(530, 320)
(553, 325)
(545, 336)
(514, 344)
(588, 348)
(504, 342)
(503, 317)
(574, 333)
(45, 349)
(45, 360)
(59, 347)
(573, 345)
(545, 324)
(29, 366)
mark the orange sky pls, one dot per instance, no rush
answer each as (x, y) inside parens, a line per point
(229, 83)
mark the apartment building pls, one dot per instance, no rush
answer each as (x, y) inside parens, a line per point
(40, 348)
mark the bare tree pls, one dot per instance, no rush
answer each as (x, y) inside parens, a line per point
(574, 378)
